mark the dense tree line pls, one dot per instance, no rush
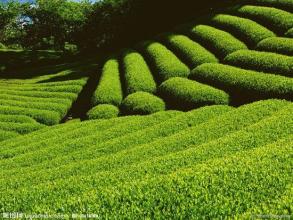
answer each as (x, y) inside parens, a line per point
(107, 24)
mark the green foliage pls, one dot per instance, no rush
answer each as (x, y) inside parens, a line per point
(109, 90)
(280, 45)
(239, 81)
(191, 52)
(4, 135)
(16, 119)
(276, 19)
(2, 46)
(103, 111)
(142, 103)
(261, 61)
(21, 128)
(27, 59)
(247, 30)
(59, 108)
(40, 94)
(43, 116)
(165, 64)
(251, 142)
(219, 42)
(289, 33)
(138, 76)
(185, 94)
(283, 4)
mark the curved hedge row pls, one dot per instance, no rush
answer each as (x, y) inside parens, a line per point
(186, 94)
(273, 18)
(164, 62)
(103, 111)
(142, 103)
(262, 61)
(247, 30)
(219, 42)
(110, 78)
(283, 4)
(138, 76)
(59, 108)
(238, 81)
(20, 128)
(40, 94)
(280, 45)
(191, 52)
(16, 119)
(43, 116)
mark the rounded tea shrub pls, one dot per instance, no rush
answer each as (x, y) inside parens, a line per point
(142, 103)
(186, 94)
(280, 45)
(103, 111)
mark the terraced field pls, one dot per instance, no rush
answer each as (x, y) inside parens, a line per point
(206, 132)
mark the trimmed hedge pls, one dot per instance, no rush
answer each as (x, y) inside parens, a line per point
(191, 52)
(21, 128)
(109, 90)
(40, 94)
(103, 111)
(16, 119)
(62, 101)
(59, 108)
(289, 33)
(286, 5)
(219, 42)
(165, 64)
(138, 76)
(142, 103)
(280, 45)
(181, 93)
(247, 30)
(261, 61)
(240, 82)
(275, 19)
(43, 116)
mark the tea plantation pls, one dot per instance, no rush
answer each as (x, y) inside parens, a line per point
(196, 123)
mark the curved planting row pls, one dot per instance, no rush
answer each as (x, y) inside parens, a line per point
(278, 20)
(175, 162)
(247, 30)
(280, 45)
(190, 51)
(44, 103)
(187, 94)
(165, 63)
(244, 83)
(262, 61)
(219, 42)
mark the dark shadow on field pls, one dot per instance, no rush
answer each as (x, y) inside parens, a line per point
(83, 103)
